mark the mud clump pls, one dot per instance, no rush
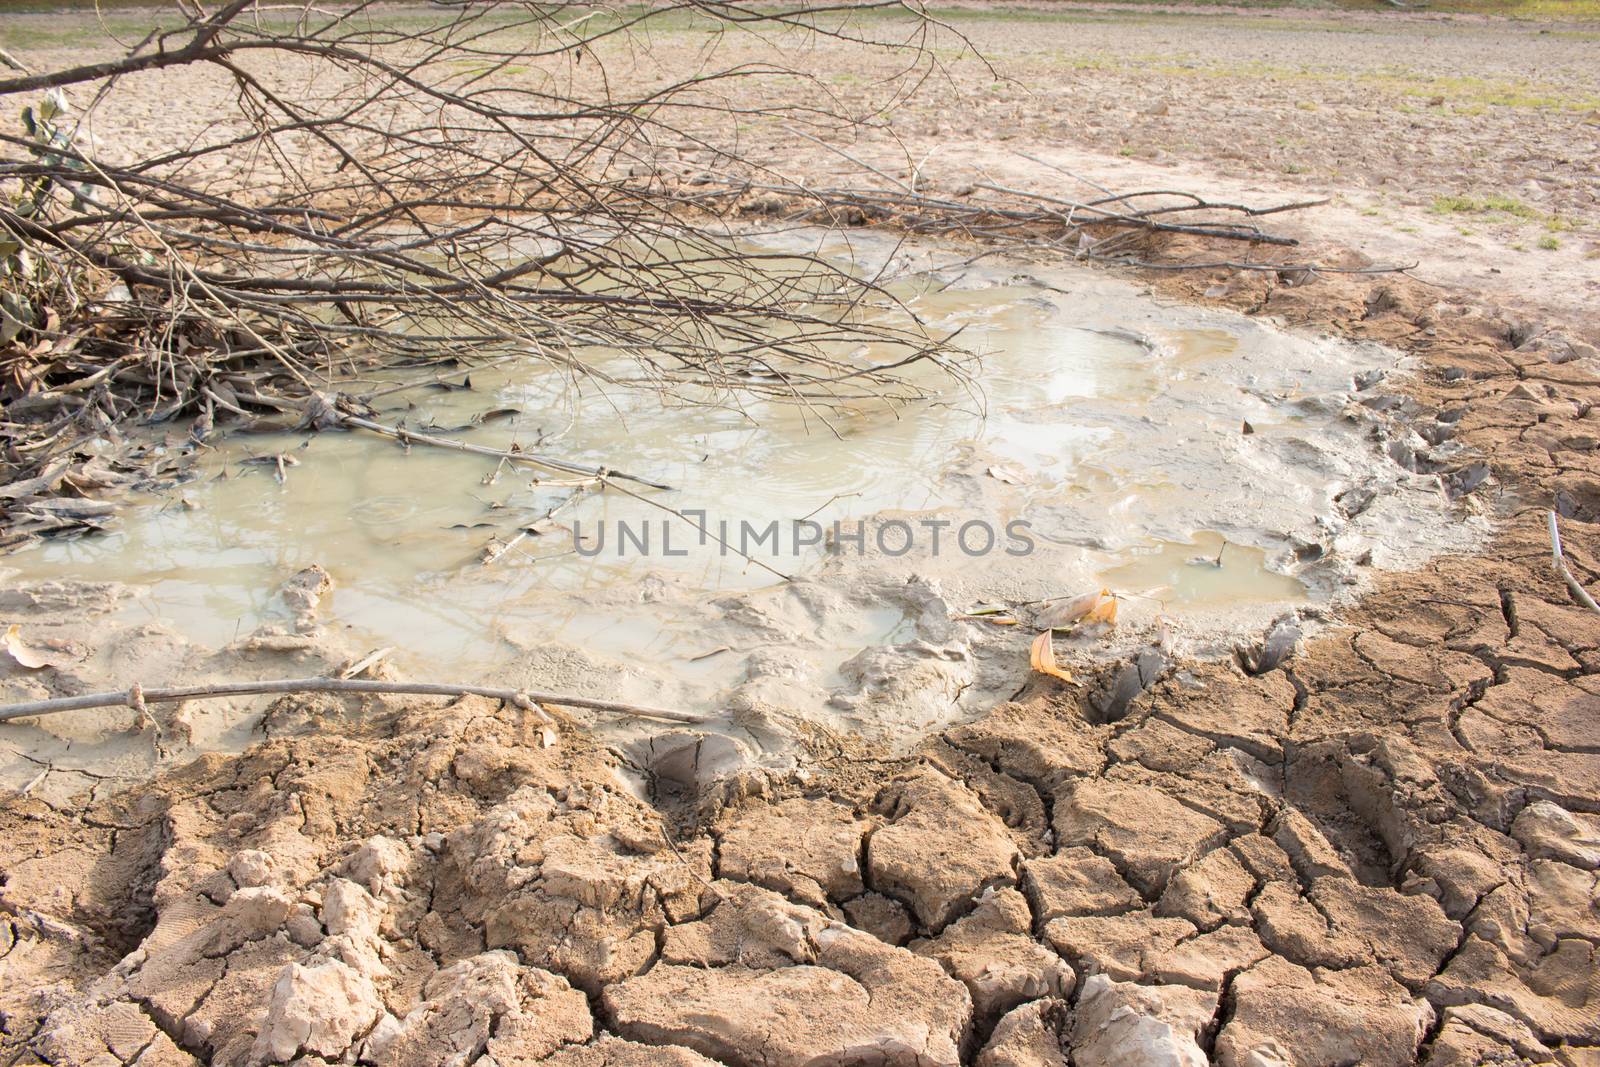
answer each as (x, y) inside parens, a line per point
(761, 981)
(936, 824)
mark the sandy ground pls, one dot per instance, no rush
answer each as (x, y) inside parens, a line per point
(1463, 147)
(1461, 144)
(1381, 851)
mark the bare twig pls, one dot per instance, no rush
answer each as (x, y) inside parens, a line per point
(371, 659)
(1266, 268)
(496, 549)
(1579, 594)
(523, 698)
(1023, 216)
(565, 466)
(1063, 170)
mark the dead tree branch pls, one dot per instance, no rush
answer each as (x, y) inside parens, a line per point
(136, 696)
(1579, 593)
(400, 187)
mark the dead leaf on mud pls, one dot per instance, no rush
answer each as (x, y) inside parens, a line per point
(25, 654)
(1007, 475)
(997, 614)
(1042, 658)
(1099, 606)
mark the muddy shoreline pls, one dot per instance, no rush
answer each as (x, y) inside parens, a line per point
(870, 639)
(1383, 851)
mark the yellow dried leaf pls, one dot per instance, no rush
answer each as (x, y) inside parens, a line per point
(1042, 658)
(31, 658)
(1104, 610)
(1099, 606)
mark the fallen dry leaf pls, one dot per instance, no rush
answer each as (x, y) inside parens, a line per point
(1099, 606)
(1007, 475)
(1042, 658)
(998, 614)
(28, 656)
(1104, 610)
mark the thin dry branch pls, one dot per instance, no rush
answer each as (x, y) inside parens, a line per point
(324, 412)
(1098, 230)
(136, 697)
(1579, 593)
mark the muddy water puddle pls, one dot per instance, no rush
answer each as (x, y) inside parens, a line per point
(1210, 570)
(1133, 443)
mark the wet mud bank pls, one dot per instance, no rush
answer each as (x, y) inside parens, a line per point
(1234, 483)
(1382, 849)
(1373, 842)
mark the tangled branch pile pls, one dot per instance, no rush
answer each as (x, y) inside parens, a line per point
(390, 187)
(399, 186)
(1111, 227)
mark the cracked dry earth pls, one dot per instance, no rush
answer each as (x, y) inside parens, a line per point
(1381, 851)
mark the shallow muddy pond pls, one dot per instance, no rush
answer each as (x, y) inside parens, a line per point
(1190, 461)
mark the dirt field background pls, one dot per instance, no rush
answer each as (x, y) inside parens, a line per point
(1383, 851)
(1460, 143)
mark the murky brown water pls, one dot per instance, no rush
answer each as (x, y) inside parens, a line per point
(1112, 425)
(1207, 570)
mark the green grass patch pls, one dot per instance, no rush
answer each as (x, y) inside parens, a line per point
(1493, 204)
(1465, 94)
(81, 29)
(1562, 10)
(1498, 208)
